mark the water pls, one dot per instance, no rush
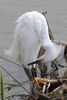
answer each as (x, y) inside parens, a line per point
(10, 10)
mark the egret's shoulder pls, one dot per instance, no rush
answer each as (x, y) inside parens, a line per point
(31, 14)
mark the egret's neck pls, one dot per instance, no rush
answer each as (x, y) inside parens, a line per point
(52, 50)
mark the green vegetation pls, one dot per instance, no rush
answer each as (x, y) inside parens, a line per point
(1, 87)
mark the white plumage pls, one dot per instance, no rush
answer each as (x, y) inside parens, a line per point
(31, 33)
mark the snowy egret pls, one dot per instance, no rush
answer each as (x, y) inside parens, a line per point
(32, 33)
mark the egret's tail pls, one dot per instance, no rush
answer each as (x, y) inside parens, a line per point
(13, 52)
(7, 52)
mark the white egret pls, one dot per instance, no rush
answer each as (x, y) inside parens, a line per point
(32, 33)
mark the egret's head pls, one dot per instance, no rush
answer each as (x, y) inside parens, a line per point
(52, 50)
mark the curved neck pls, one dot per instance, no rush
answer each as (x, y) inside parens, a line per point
(52, 51)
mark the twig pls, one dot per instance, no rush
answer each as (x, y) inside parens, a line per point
(17, 82)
